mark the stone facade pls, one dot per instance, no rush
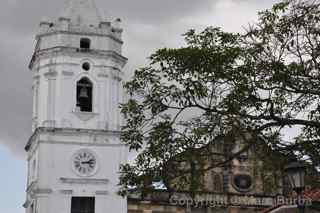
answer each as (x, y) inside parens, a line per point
(250, 182)
(75, 151)
(252, 172)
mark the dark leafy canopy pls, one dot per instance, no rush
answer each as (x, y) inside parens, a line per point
(262, 82)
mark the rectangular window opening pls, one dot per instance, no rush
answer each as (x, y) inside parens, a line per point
(82, 204)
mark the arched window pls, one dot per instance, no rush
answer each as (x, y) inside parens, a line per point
(85, 44)
(217, 182)
(84, 95)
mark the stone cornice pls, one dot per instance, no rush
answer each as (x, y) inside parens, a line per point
(56, 64)
(102, 192)
(70, 131)
(69, 73)
(67, 51)
(84, 181)
(82, 143)
(51, 74)
(108, 67)
(80, 32)
(66, 192)
(39, 191)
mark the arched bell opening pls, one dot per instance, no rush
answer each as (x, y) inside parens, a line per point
(84, 95)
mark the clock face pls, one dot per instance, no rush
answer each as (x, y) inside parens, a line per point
(84, 162)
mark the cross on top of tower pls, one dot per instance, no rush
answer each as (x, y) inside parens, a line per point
(82, 12)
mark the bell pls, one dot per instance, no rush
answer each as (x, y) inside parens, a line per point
(83, 93)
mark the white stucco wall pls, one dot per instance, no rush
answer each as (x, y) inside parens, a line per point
(57, 76)
(55, 182)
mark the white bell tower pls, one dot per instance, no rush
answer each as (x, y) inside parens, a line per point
(75, 151)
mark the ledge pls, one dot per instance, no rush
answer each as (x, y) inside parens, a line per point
(41, 130)
(42, 191)
(66, 192)
(102, 192)
(84, 181)
(85, 116)
(73, 50)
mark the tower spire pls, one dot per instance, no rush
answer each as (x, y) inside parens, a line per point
(82, 12)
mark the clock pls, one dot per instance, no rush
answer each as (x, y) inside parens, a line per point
(84, 162)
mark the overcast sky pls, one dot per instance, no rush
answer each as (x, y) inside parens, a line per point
(148, 25)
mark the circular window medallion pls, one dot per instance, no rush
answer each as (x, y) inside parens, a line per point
(86, 66)
(242, 182)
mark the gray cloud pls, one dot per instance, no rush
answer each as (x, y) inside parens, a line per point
(21, 14)
(148, 25)
(15, 91)
(154, 11)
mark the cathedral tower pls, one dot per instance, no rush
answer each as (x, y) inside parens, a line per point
(75, 151)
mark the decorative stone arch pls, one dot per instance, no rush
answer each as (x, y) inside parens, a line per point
(84, 95)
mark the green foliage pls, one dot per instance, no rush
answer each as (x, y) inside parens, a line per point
(260, 83)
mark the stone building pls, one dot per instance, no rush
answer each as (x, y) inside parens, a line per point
(75, 151)
(251, 182)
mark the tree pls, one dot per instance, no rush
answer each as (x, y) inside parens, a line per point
(261, 82)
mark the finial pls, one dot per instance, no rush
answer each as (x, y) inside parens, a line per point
(45, 21)
(116, 25)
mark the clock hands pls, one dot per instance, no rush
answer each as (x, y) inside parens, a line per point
(90, 162)
(85, 163)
